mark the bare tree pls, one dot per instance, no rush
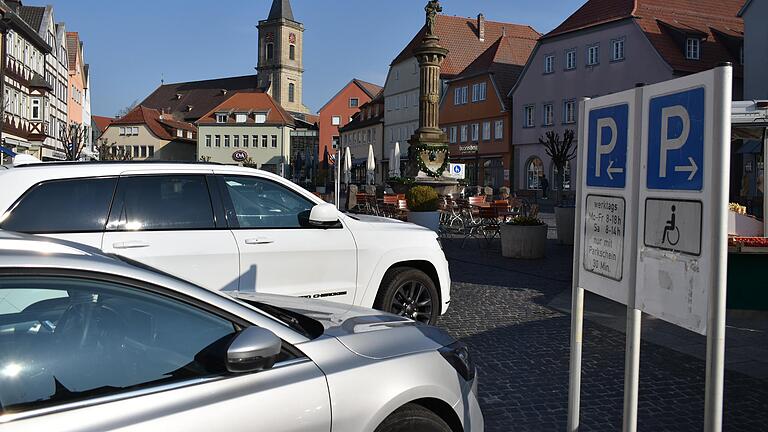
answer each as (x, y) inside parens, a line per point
(125, 110)
(74, 137)
(112, 152)
(561, 152)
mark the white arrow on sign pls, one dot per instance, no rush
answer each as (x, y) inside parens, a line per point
(612, 170)
(692, 168)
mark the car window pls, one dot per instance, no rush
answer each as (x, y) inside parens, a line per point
(260, 203)
(64, 340)
(62, 206)
(145, 203)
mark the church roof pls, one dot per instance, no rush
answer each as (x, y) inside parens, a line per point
(281, 9)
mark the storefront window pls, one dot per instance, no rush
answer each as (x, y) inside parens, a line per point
(534, 170)
(494, 173)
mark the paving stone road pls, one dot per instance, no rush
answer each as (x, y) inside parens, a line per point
(499, 308)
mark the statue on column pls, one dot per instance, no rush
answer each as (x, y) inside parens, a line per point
(433, 8)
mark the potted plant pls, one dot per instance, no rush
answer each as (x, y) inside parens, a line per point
(524, 237)
(561, 151)
(422, 207)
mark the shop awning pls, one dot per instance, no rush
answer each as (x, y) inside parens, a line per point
(7, 152)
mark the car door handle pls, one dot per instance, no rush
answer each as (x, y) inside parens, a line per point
(130, 245)
(258, 241)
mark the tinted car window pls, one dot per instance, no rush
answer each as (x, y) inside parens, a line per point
(260, 203)
(161, 203)
(63, 340)
(62, 206)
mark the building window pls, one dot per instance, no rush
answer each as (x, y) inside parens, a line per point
(264, 141)
(336, 120)
(270, 51)
(479, 92)
(548, 114)
(617, 49)
(144, 151)
(135, 131)
(217, 139)
(570, 59)
(255, 141)
(452, 132)
(179, 133)
(291, 92)
(499, 132)
(36, 110)
(236, 141)
(534, 170)
(260, 118)
(122, 131)
(245, 140)
(151, 152)
(190, 135)
(354, 102)
(569, 112)
(464, 129)
(486, 131)
(207, 140)
(692, 49)
(460, 95)
(292, 52)
(475, 132)
(549, 64)
(529, 115)
(241, 117)
(566, 177)
(226, 140)
(593, 55)
(221, 118)
(274, 141)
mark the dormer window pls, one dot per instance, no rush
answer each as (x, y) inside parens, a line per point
(221, 118)
(693, 49)
(241, 117)
(178, 96)
(260, 118)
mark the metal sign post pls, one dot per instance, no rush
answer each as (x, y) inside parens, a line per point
(654, 162)
(337, 180)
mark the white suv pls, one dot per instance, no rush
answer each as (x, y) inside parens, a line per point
(231, 228)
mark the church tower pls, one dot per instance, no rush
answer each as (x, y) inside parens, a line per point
(281, 49)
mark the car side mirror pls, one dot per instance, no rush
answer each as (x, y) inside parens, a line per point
(324, 216)
(253, 349)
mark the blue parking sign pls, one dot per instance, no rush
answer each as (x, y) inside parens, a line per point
(607, 147)
(676, 141)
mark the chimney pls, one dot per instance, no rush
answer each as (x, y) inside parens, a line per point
(481, 27)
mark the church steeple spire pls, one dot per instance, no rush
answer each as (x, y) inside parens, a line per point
(281, 9)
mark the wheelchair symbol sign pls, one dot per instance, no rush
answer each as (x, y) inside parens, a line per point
(673, 225)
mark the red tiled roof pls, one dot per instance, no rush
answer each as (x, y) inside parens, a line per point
(102, 122)
(697, 17)
(250, 102)
(371, 89)
(595, 12)
(505, 59)
(73, 47)
(460, 36)
(666, 24)
(162, 127)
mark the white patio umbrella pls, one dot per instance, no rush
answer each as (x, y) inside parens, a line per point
(395, 162)
(347, 166)
(371, 165)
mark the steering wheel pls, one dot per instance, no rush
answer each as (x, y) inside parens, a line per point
(89, 323)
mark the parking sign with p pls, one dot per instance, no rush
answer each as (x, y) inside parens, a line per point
(607, 147)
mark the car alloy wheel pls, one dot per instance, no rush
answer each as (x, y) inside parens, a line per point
(410, 293)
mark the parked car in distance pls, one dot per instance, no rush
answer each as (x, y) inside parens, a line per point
(92, 342)
(231, 228)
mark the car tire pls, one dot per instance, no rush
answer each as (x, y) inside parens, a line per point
(413, 418)
(411, 293)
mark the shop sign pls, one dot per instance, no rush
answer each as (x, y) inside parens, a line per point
(239, 155)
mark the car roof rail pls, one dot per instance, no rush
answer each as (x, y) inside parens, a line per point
(115, 162)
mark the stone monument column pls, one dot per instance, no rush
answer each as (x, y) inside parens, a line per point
(429, 145)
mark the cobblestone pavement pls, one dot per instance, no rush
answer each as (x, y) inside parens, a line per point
(499, 309)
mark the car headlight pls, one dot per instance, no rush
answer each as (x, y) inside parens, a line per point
(457, 354)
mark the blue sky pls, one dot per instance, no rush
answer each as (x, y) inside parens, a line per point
(131, 45)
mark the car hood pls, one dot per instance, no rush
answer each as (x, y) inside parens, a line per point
(378, 223)
(366, 332)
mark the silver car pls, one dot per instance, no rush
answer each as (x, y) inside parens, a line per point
(89, 342)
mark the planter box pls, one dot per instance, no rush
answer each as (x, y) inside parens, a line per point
(744, 225)
(523, 242)
(429, 220)
(566, 219)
